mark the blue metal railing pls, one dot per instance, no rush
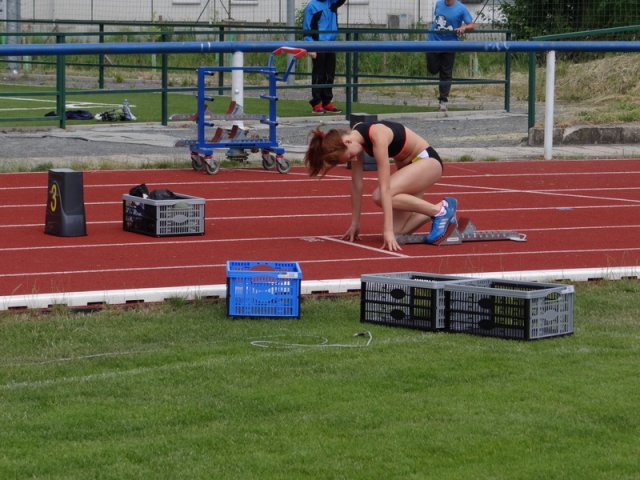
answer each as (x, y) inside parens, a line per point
(164, 48)
(223, 33)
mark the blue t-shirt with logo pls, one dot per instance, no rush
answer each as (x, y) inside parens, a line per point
(446, 19)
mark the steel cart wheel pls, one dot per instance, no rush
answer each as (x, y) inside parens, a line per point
(212, 165)
(282, 165)
(197, 162)
(268, 160)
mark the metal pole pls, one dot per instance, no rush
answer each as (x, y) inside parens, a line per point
(237, 84)
(531, 120)
(548, 109)
(237, 95)
(61, 86)
(507, 77)
(221, 39)
(291, 19)
(13, 13)
(101, 59)
(164, 74)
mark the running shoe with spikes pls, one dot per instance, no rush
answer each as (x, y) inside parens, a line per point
(441, 222)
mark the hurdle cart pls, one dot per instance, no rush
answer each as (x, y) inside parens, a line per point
(236, 139)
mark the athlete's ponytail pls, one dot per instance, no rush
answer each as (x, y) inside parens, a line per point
(324, 150)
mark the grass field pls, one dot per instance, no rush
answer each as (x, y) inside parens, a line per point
(180, 391)
(33, 102)
(600, 91)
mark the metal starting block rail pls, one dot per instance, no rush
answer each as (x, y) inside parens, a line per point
(464, 231)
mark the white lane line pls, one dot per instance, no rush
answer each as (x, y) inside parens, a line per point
(437, 256)
(492, 190)
(303, 177)
(208, 200)
(540, 192)
(167, 183)
(197, 240)
(366, 247)
(462, 212)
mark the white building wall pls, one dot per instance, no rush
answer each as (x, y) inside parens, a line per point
(353, 13)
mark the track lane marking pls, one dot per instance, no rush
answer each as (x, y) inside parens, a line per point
(325, 215)
(366, 247)
(243, 239)
(320, 261)
(329, 177)
(494, 190)
(542, 192)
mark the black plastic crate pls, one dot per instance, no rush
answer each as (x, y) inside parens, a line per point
(405, 299)
(509, 309)
(183, 215)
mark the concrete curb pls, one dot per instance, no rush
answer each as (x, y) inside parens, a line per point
(588, 135)
(486, 135)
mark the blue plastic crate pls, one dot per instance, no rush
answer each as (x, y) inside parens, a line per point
(263, 289)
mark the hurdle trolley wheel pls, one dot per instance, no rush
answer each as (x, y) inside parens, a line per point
(282, 164)
(212, 165)
(197, 162)
(268, 160)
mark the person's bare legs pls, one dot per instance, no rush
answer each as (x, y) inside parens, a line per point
(408, 185)
(408, 224)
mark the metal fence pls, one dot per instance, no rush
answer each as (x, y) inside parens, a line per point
(400, 14)
(357, 70)
(349, 47)
(526, 18)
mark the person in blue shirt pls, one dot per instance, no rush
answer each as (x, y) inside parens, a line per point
(320, 23)
(451, 19)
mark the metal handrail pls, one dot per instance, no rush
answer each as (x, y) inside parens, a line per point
(352, 75)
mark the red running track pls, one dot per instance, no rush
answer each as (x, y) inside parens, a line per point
(576, 214)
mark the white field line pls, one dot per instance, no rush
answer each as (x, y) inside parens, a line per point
(435, 257)
(106, 375)
(209, 361)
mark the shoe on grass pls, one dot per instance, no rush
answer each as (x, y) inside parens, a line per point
(331, 108)
(317, 110)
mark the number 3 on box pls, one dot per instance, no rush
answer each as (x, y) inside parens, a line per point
(53, 201)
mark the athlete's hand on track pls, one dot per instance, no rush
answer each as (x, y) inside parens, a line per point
(390, 242)
(353, 234)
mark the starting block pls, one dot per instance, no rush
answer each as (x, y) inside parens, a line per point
(464, 231)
